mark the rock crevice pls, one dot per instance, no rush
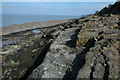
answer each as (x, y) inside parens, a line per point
(81, 48)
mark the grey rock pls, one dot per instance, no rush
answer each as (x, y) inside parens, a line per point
(99, 71)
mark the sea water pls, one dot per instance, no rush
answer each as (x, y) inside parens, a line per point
(10, 19)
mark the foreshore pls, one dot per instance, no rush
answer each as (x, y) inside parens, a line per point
(84, 48)
(22, 27)
(24, 52)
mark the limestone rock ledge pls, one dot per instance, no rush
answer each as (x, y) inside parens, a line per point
(91, 52)
(87, 47)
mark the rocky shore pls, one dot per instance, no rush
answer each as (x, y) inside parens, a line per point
(87, 48)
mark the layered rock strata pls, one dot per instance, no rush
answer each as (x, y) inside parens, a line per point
(87, 47)
(93, 54)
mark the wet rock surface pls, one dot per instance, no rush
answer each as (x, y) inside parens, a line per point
(81, 48)
(23, 51)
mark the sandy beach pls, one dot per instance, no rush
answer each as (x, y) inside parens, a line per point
(31, 25)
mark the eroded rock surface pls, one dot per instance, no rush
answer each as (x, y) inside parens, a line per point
(24, 51)
(105, 36)
(81, 48)
(58, 58)
(94, 54)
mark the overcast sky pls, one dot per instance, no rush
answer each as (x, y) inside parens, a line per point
(58, 0)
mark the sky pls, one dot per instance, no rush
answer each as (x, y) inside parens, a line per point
(58, 0)
(52, 8)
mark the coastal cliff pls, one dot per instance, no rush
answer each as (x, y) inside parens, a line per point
(111, 9)
(80, 48)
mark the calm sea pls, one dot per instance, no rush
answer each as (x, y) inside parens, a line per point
(10, 19)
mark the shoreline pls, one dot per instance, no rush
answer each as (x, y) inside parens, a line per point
(85, 47)
(30, 25)
(34, 49)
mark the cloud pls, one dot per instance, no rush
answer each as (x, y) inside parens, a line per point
(58, 0)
